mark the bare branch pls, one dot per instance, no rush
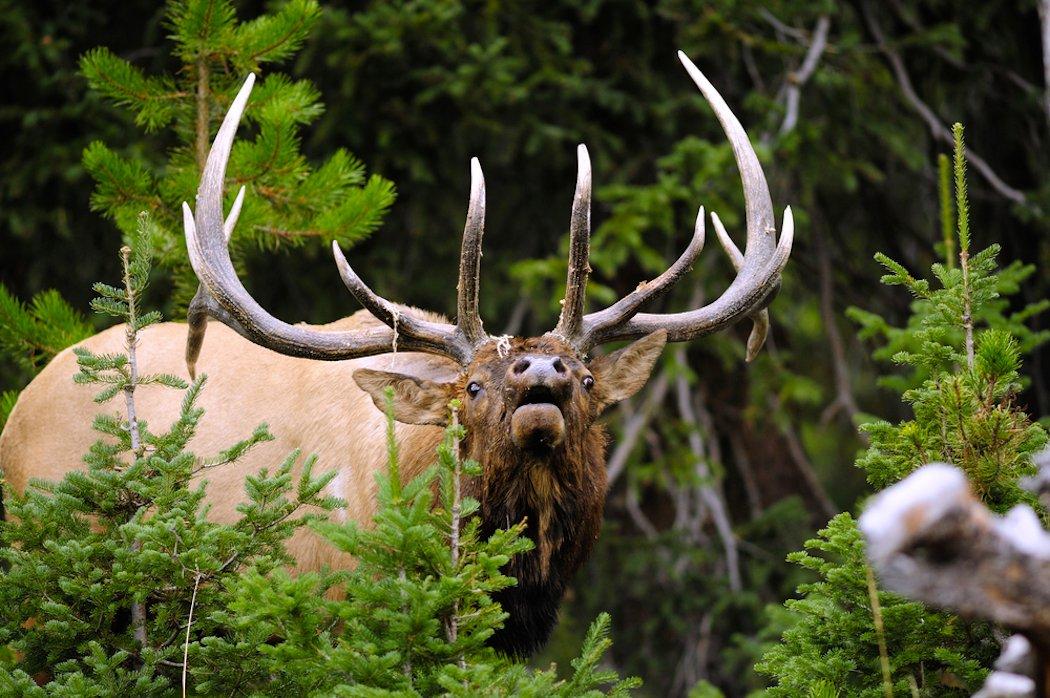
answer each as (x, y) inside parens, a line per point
(712, 498)
(844, 401)
(933, 123)
(798, 78)
(1044, 22)
(798, 456)
(635, 425)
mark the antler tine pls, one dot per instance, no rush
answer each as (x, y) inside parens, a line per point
(235, 213)
(203, 305)
(223, 297)
(468, 319)
(759, 267)
(409, 331)
(647, 291)
(760, 320)
(570, 322)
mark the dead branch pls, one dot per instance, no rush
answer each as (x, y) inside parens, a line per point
(844, 401)
(796, 79)
(933, 123)
(635, 425)
(801, 461)
(706, 490)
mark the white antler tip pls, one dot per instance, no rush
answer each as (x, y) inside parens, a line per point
(787, 230)
(583, 166)
(477, 177)
(187, 220)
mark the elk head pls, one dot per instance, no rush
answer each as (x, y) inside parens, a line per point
(529, 405)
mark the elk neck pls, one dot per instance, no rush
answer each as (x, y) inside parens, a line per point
(560, 495)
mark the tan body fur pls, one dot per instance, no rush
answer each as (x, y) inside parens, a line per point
(314, 406)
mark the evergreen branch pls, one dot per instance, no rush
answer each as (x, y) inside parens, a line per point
(944, 187)
(297, 17)
(963, 214)
(155, 100)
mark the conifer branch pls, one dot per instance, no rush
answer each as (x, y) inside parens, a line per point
(963, 215)
(130, 344)
(944, 187)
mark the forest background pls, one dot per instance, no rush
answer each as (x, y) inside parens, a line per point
(720, 468)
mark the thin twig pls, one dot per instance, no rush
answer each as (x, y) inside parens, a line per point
(798, 455)
(634, 510)
(517, 317)
(138, 610)
(780, 27)
(130, 344)
(880, 632)
(189, 624)
(743, 465)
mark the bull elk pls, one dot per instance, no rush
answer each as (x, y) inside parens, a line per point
(530, 405)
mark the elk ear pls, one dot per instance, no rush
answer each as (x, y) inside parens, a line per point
(621, 374)
(416, 400)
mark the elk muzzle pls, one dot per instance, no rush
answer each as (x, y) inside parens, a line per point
(537, 388)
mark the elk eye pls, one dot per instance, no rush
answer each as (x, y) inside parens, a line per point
(588, 382)
(473, 388)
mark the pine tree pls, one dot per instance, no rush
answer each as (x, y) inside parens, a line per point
(113, 573)
(289, 201)
(31, 334)
(962, 353)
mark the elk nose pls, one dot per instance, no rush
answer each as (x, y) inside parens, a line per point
(539, 369)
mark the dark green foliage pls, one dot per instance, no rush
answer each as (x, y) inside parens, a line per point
(30, 334)
(289, 200)
(33, 333)
(833, 639)
(964, 362)
(103, 568)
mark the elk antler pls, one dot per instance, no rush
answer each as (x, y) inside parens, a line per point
(758, 269)
(222, 296)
